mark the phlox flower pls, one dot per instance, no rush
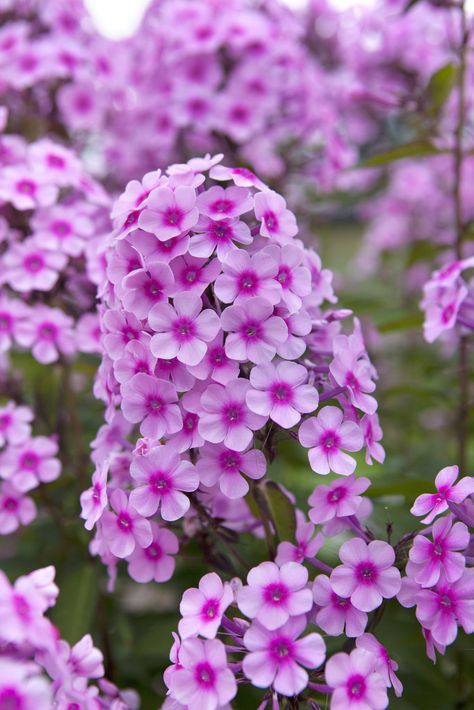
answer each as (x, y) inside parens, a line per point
(372, 435)
(210, 235)
(385, 665)
(161, 476)
(125, 528)
(254, 333)
(202, 678)
(443, 607)
(15, 426)
(220, 203)
(62, 228)
(225, 416)
(245, 276)
(29, 266)
(218, 464)
(367, 575)
(83, 659)
(202, 609)
(354, 373)
(119, 329)
(15, 509)
(277, 221)
(88, 333)
(12, 312)
(182, 330)
(326, 436)
(168, 213)
(193, 274)
(123, 261)
(25, 188)
(274, 594)
(242, 177)
(153, 403)
(431, 559)
(357, 685)
(137, 357)
(22, 686)
(279, 392)
(276, 656)
(48, 332)
(56, 162)
(215, 364)
(155, 562)
(293, 277)
(175, 372)
(335, 612)
(94, 500)
(143, 288)
(189, 436)
(446, 492)
(31, 463)
(307, 545)
(337, 500)
(298, 324)
(21, 612)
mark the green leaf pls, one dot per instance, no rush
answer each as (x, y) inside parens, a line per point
(406, 322)
(440, 86)
(415, 149)
(76, 605)
(411, 488)
(282, 511)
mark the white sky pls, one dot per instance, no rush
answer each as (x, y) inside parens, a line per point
(120, 18)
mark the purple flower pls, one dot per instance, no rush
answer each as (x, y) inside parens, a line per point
(215, 364)
(94, 500)
(31, 463)
(210, 235)
(119, 328)
(357, 685)
(126, 528)
(143, 288)
(220, 203)
(163, 476)
(168, 213)
(254, 332)
(15, 509)
(154, 562)
(337, 500)
(335, 612)
(326, 436)
(445, 606)
(218, 464)
(276, 656)
(367, 575)
(184, 330)
(274, 594)
(153, 403)
(279, 392)
(246, 276)
(15, 427)
(308, 544)
(276, 220)
(29, 266)
(62, 228)
(429, 559)
(436, 503)
(384, 665)
(194, 275)
(372, 435)
(225, 416)
(25, 188)
(48, 332)
(22, 686)
(12, 312)
(21, 611)
(353, 372)
(294, 279)
(136, 358)
(202, 609)
(202, 678)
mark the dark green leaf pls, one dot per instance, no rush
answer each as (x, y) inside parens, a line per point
(440, 86)
(415, 149)
(406, 322)
(282, 511)
(77, 601)
(410, 488)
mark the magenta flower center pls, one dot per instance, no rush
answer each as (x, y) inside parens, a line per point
(204, 674)
(336, 494)
(184, 328)
(248, 281)
(10, 504)
(230, 461)
(210, 609)
(153, 290)
(221, 232)
(5, 322)
(96, 493)
(124, 522)
(352, 381)
(153, 551)
(129, 333)
(34, 263)
(251, 330)
(276, 593)
(190, 422)
(438, 549)
(356, 686)
(447, 313)
(131, 219)
(330, 441)
(284, 276)
(142, 366)
(61, 228)
(29, 460)
(172, 216)
(281, 393)
(26, 187)
(281, 648)
(160, 482)
(233, 413)
(217, 356)
(154, 404)
(366, 572)
(5, 421)
(21, 606)
(222, 206)
(446, 601)
(10, 700)
(47, 331)
(190, 275)
(55, 161)
(271, 221)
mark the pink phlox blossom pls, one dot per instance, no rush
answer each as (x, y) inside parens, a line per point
(441, 556)
(254, 333)
(202, 608)
(31, 463)
(327, 436)
(228, 468)
(446, 492)
(245, 276)
(308, 543)
(168, 213)
(338, 499)
(357, 685)
(156, 561)
(334, 614)
(153, 403)
(385, 665)
(125, 528)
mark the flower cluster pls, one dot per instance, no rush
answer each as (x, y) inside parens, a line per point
(25, 462)
(216, 345)
(447, 300)
(37, 668)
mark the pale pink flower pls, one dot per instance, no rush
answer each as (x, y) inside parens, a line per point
(445, 606)
(31, 463)
(446, 492)
(15, 423)
(48, 332)
(202, 609)
(22, 686)
(156, 561)
(125, 528)
(336, 614)
(254, 332)
(385, 665)
(143, 288)
(220, 203)
(94, 500)
(215, 364)
(168, 213)
(193, 274)
(210, 235)
(15, 509)
(276, 220)
(307, 545)
(153, 403)
(218, 464)
(245, 276)
(337, 500)
(29, 266)
(327, 436)
(357, 685)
